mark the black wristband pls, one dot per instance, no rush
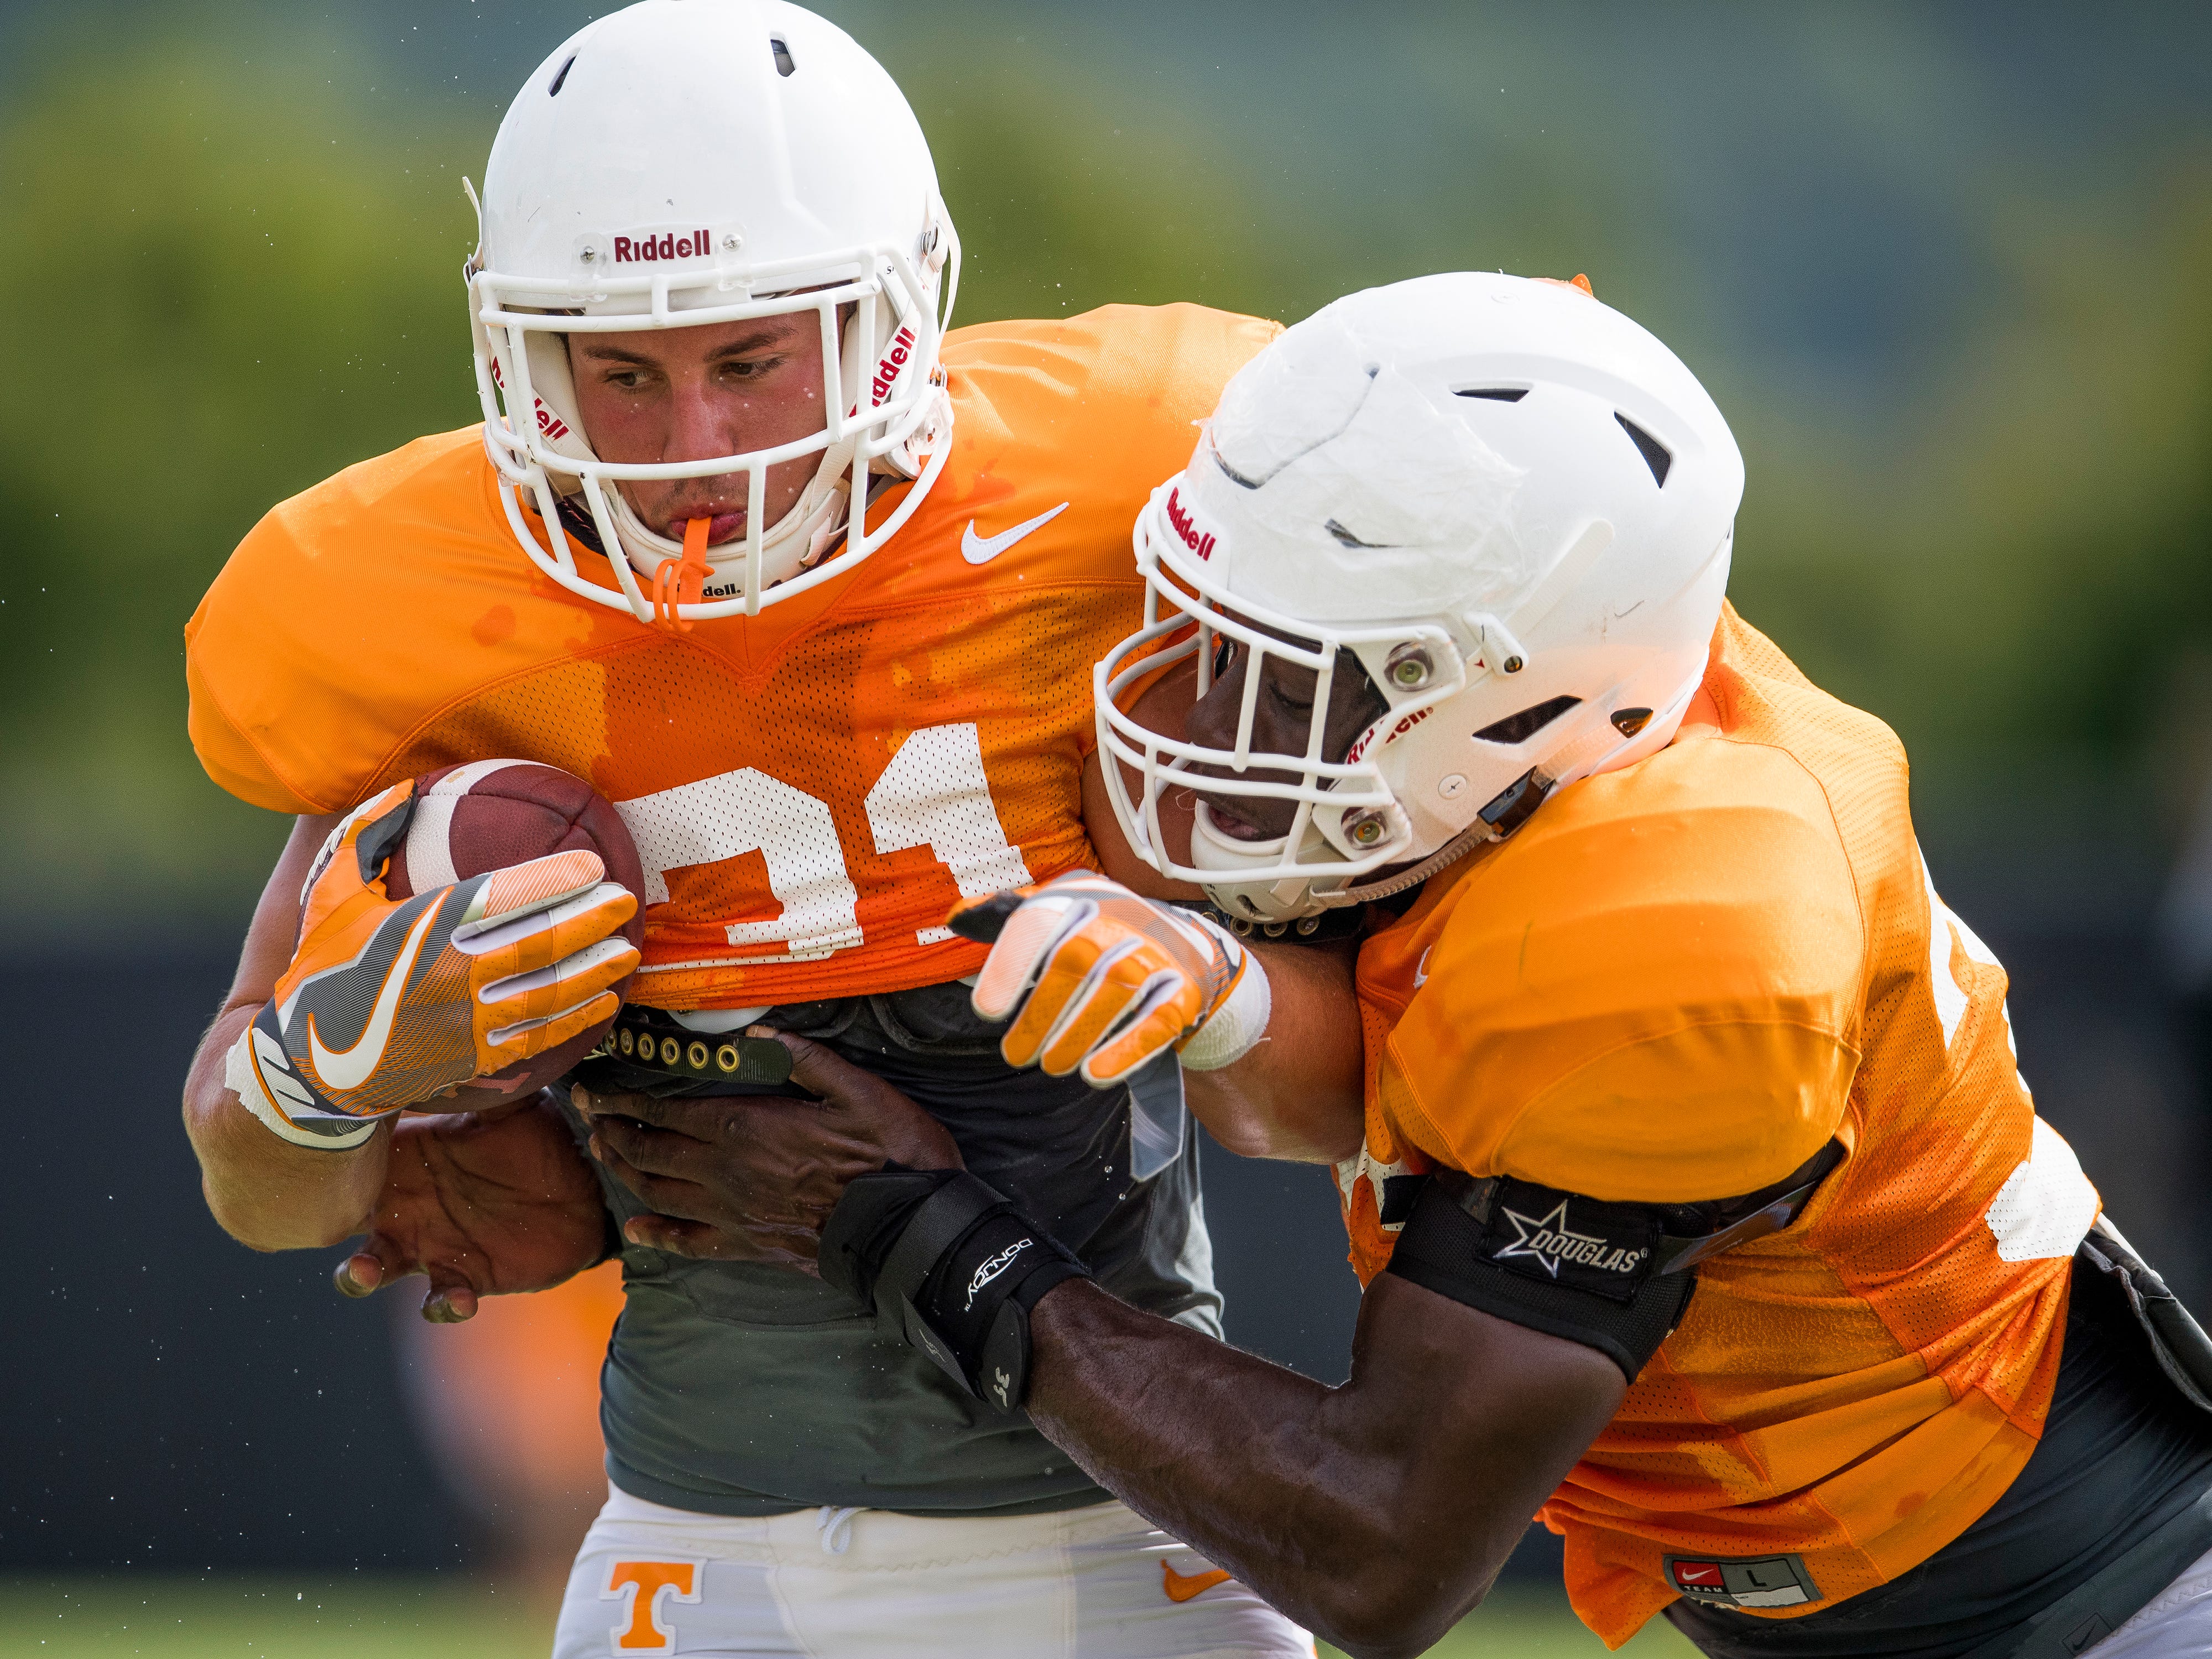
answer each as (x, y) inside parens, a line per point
(949, 1267)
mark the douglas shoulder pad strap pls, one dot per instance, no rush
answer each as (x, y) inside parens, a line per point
(1567, 1266)
(949, 1267)
(1615, 1277)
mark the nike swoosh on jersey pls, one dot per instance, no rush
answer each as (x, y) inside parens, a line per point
(1180, 1589)
(982, 549)
(348, 1068)
(1421, 968)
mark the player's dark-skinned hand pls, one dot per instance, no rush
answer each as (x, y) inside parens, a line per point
(484, 1203)
(753, 1177)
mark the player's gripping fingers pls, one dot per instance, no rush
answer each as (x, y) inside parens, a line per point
(449, 1304)
(502, 1045)
(1161, 1023)
(576, 978)
(522, 944)
(1029, 936)
(539, 884)
(509, 908)
(380, 1262)
(1063, 981)
(1120, 983)
(362, 1273)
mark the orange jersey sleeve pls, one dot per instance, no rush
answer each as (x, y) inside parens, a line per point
(811, 788)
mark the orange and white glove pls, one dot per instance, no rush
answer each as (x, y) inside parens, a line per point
(1104, 979)
(386, 1004)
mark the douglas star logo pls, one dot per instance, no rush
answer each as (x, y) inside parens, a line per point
(1550, 1241)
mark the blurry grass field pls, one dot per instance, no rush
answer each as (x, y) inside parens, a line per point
(118, 1616)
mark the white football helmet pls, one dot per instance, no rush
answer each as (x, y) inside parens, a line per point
(683, 162)
(1512, 504)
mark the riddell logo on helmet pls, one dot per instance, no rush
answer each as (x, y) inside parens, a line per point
(887, 370)
(1395, 732)
(1179, 516)
(549, 424)
(667, 245)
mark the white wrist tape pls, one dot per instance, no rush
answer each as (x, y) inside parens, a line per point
(1234, 1028)
(243, 1079)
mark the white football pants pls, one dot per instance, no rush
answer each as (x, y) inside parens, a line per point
(2177, 1624)
(1089, 1583)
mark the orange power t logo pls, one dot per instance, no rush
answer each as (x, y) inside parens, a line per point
(1181, 1588)
(647, 1584)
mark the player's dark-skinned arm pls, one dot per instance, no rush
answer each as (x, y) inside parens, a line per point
(266, 1193)
(1296, 1095)
(1377, 1512)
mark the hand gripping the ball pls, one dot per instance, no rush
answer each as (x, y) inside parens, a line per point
(1099, 980)
(388, 1003)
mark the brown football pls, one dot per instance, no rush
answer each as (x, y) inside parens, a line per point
(486, 815)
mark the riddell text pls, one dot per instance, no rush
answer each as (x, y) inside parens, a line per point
(1397, 732)
(668, 245)
(1179, 516)
(887, 370)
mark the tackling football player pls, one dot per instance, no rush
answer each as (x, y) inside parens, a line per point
(1698, 1198)
(810, 591)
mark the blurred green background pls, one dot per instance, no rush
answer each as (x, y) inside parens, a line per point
(1947, 267)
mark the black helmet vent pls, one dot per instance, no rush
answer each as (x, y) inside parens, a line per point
(783, 63)
(1654, 452)
(1519, 728)
(553, 91)
(1496, 394)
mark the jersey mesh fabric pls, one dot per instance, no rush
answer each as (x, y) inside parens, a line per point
(385, 623)
(1675, 984)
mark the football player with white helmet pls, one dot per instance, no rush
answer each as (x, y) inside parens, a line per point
(1701, 1205)
(809, 588)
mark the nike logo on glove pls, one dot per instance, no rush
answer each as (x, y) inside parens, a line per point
(982, 549)
(1180, 1589)
(348, 1068)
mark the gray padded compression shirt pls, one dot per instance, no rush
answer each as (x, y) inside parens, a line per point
(737, 1389)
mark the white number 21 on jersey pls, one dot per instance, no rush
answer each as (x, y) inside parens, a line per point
(932, 794)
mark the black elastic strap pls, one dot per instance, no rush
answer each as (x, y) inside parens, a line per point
(951, 1268)
(1738, 1221)
(1445, 1249)
(935, 1227)
(1613, 1276)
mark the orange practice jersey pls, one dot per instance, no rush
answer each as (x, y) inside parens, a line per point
(810, 789)
(1677, 983)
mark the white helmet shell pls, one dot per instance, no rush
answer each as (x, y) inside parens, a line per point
(1512, 504)
(683, 162)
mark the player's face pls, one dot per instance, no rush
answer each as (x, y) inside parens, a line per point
(687, 394)
(1282, 722)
